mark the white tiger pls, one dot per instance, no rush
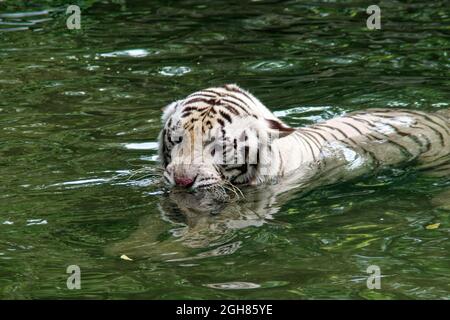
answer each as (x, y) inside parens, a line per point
(331, 151)
(235, 122)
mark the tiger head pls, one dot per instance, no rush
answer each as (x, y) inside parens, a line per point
(217, 137)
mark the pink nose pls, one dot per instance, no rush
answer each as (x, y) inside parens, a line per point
(184, 181)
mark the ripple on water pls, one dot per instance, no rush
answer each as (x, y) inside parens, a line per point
(171, 71)
(236, 285)
(223, 250)
(18, 15)
(340, 60)
(19, 21)
(81, 183)
(131, 53)
(270, 22)
(34, 222)
(300, 110)
(269, 65)
(141, 146)
(75, 93)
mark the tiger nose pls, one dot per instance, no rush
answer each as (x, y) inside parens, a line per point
(184, 181)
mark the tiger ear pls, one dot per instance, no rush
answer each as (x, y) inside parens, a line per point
(168, 111)
(279, 128)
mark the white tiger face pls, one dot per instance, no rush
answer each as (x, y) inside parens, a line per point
(216, 137)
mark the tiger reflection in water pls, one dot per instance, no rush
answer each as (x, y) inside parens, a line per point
(199, 221)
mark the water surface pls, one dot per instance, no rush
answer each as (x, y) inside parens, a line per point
(79, 119)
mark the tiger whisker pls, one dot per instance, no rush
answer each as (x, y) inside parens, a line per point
(144, 171)
(224, 187)
(236, 188)
(147, 176)
(233, 189)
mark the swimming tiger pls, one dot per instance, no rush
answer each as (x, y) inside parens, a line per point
(220, 137)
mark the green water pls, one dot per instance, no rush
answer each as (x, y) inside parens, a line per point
(79, 115)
